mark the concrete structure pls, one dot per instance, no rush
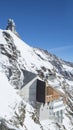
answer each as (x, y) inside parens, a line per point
(28, 90)
(50, 103)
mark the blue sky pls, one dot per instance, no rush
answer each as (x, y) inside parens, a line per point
(47, 24)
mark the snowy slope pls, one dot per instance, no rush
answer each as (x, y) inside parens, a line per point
(28, 54)
(8, 97)
(15, 57)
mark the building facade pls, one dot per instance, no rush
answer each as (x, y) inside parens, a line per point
(49, 102)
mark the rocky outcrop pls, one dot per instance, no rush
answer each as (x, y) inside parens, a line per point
(13, 70)
(3, 125)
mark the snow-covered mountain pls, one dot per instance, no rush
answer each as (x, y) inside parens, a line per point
(15, 57)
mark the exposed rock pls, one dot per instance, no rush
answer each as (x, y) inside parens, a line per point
(3, 125)
(13, 70)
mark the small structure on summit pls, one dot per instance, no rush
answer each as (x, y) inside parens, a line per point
(12, 27)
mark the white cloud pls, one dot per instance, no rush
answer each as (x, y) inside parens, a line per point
(62, 48)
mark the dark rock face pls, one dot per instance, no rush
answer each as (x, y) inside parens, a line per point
(14, 69)
(3, 125)
(11, 26)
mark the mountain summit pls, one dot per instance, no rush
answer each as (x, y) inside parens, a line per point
(16, 57)
(12, 27)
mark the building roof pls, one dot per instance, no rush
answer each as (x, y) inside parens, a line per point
(28, 76)
(58, 91)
